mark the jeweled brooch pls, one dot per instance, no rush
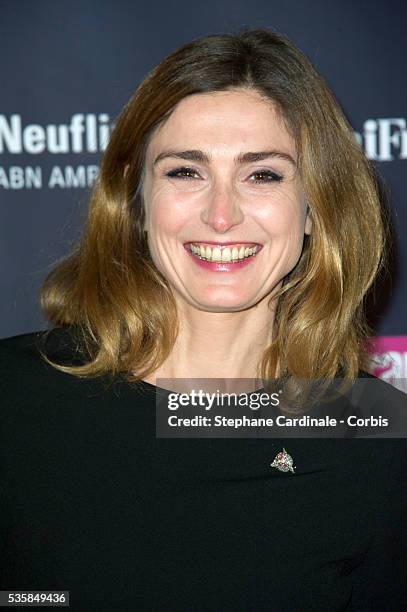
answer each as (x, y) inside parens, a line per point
(283, 462)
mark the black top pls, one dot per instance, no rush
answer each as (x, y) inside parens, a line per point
(94, 503)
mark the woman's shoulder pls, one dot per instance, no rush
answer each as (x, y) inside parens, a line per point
(24, 372)
(59, 343)
(19, 354)
(380, 407)
(13, 345)
(379, 390)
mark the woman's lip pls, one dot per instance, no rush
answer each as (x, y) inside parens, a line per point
(222, 266)
(221, 244)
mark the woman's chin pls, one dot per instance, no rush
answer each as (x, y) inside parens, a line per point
(223, 303)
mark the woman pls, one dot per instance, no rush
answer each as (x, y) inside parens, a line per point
(233, 234)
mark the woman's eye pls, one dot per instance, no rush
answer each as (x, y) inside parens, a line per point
(261, 176)
(266, 176)
(183, 173)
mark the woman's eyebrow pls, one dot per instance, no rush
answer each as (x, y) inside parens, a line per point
(242, 158)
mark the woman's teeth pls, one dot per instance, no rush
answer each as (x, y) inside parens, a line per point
(226, 254)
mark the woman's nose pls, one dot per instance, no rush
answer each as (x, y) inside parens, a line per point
(222, 210)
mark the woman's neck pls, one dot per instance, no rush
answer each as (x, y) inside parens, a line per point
(218, 345)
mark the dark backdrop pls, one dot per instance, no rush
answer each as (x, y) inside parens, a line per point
(70, 66)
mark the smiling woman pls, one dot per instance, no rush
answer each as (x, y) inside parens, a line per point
(227, 228)
(232, 142)
(234, 232)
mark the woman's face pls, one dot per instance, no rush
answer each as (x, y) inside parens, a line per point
(225, 211)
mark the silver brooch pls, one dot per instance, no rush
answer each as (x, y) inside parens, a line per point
(283, 462)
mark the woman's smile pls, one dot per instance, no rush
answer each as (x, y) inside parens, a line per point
(222, 257)
(236, 191)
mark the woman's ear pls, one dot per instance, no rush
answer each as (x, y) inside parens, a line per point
(308, 222)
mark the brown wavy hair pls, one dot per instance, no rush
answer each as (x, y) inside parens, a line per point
(108, 288)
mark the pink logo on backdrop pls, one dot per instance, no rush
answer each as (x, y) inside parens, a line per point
(389, 357)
